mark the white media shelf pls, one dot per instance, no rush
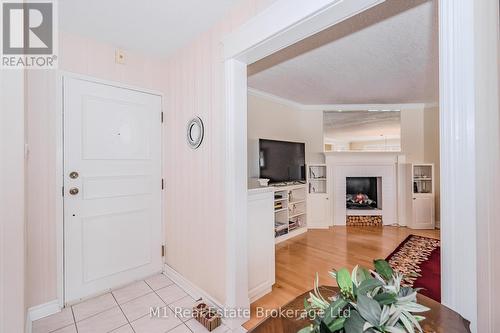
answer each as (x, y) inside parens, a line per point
(290, 211)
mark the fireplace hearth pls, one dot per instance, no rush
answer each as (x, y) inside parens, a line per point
(361, 193)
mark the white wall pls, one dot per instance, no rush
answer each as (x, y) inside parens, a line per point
(412, 135)
(431, 151)
(268, 119)
(12, 202)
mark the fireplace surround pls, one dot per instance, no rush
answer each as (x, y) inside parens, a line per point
(380, 166)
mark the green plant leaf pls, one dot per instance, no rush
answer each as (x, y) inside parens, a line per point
(384, 316)
(355, 323)
(333, 311)
(368, 285)
(383, 268)
(385, 298)
(316, 302)
(337, 324)
(369, 309)
(363, 274)
(344, 281)
(307, 329)
(407, 324)
(394, 329)
(414, 307)
(413, 320)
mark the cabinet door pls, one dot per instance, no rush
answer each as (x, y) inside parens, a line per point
(423, 213)
(318, 207)
(261, 256)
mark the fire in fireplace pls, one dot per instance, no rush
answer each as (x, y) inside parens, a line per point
(361, 193)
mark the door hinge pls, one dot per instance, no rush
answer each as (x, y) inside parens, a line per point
(62, 191)
(162, 184)
(163, 250)
(162, 117)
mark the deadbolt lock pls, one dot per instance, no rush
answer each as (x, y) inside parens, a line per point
(73, 175)
(73, 191)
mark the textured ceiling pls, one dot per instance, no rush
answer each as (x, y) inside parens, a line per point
(361, 125)
(149, 26)
(388, 54)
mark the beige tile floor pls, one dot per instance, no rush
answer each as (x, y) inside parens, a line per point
(127, 310)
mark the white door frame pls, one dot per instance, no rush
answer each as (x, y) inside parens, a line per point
(288, 21)
(59, 126)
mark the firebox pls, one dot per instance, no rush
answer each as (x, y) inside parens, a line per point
(361, 193)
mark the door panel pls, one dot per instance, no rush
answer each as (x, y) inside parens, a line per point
(423, 213)
(318, 211)
(112, 224)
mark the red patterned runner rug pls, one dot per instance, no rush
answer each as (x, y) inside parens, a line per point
(419, 259)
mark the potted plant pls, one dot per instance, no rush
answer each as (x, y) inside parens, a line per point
(368, 301)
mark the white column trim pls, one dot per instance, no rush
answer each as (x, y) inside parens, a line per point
(458, 157)
(236, 189)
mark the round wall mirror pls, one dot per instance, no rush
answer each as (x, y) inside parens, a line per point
(195, 132)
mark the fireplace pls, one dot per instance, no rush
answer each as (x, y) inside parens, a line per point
(362, 193)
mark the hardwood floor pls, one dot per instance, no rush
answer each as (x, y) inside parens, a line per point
(298, 259)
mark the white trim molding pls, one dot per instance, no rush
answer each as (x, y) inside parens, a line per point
(190, 288)
(236, 189)
(458, 158)
(274, 98)
(286, 22)
(338, 107)
(41, 311)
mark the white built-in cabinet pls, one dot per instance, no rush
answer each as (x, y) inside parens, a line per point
(423, 197)
(318, 201)
(260, 247)
(290, 211)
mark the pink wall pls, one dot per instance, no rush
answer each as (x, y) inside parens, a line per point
(12, 205)
(83, 56)
(195, 230)
(192, 81)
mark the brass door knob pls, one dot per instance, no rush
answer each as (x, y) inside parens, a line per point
(73, 175)
(74, 191)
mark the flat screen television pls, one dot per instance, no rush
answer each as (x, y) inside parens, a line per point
(282, 161)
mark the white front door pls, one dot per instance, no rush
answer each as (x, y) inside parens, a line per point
(112, 186)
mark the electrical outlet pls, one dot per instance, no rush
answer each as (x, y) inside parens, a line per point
(120, 57)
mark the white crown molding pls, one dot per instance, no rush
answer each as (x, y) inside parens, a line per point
(336, 107)
(358, 107)
(276, 99)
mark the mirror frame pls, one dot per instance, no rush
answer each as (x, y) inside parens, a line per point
(194, 143)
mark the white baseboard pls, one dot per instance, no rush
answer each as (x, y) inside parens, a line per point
(257, 293)
(193, 290)
(41, 311)
(197, 293)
